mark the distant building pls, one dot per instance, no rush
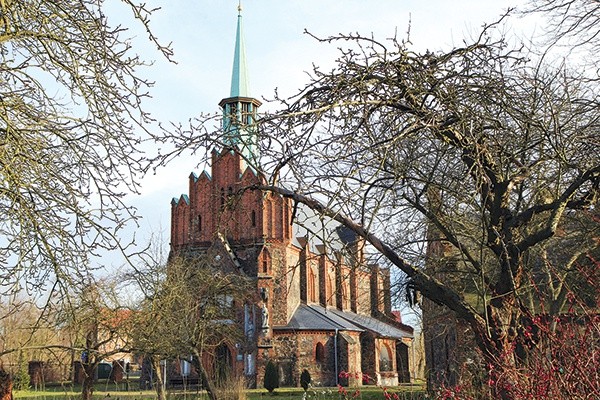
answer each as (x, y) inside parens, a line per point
(321, 307)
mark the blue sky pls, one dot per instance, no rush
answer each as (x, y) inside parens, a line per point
(202, 33)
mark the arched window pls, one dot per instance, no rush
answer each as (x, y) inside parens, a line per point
(346, 294)
(312, 295)
(199, 223)
(286, 221)
(266, 259)
(320, 353)
(385, 358)
(330, 295)
(253, 218)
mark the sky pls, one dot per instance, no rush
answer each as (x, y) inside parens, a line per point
(279, 54)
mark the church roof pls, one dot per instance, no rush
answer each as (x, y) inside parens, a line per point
(184, 198)
(373, 324)
(318, 318)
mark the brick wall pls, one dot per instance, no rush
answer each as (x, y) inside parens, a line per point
(220, 203)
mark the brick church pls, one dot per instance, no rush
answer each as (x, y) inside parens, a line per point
(320, 306)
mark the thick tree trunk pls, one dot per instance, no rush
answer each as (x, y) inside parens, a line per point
(496, 342)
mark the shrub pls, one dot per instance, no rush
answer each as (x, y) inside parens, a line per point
(232, 389)
(21, 379)
(305, 379)
(271, 377)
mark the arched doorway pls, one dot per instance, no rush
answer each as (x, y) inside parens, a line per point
(223, 363)
(402, 362)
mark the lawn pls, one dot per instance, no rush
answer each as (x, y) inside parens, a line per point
(406, 392)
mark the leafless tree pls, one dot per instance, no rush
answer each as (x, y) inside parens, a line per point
(95, 325)
(576, 21)
(193, 311)
(71, 122)
(462, 168)
(489, 155)
(85, 326)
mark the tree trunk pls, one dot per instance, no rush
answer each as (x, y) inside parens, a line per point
(497, 346)
(160, 390)
(87, 387)
(210, 387)
(6, 385)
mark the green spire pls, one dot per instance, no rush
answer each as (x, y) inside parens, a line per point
(239, 75)
(239, 109)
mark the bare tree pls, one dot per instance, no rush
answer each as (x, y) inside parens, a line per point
(24, 335)
(96, 326)
(84, 327)
(479, 152)
(193, 311)
(576, 21)
(71, 122)
(476, 149)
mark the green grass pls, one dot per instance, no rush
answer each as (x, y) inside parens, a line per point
(70, 391)
(405, 392)
(408, 392)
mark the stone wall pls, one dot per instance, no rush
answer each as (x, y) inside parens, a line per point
(295, 353)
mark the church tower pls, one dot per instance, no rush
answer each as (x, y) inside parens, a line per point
(316, 306)
(247, 231)
(217, 202)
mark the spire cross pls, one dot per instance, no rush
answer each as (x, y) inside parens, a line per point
(239, 7)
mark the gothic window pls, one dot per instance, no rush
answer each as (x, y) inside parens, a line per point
(287, 222)
(345, 293)
(222, 197)
(320, 353)
(253, 218)
(329, 293)
(225, 301)
(380, 294)
(312, 295)
(265, 261)
(199, 223)
(385, 358)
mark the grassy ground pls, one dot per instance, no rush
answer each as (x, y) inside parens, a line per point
(406, 392)
(366, 393)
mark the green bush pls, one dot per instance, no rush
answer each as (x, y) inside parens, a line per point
(271, 377)
(21, 379)
(305, 379)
